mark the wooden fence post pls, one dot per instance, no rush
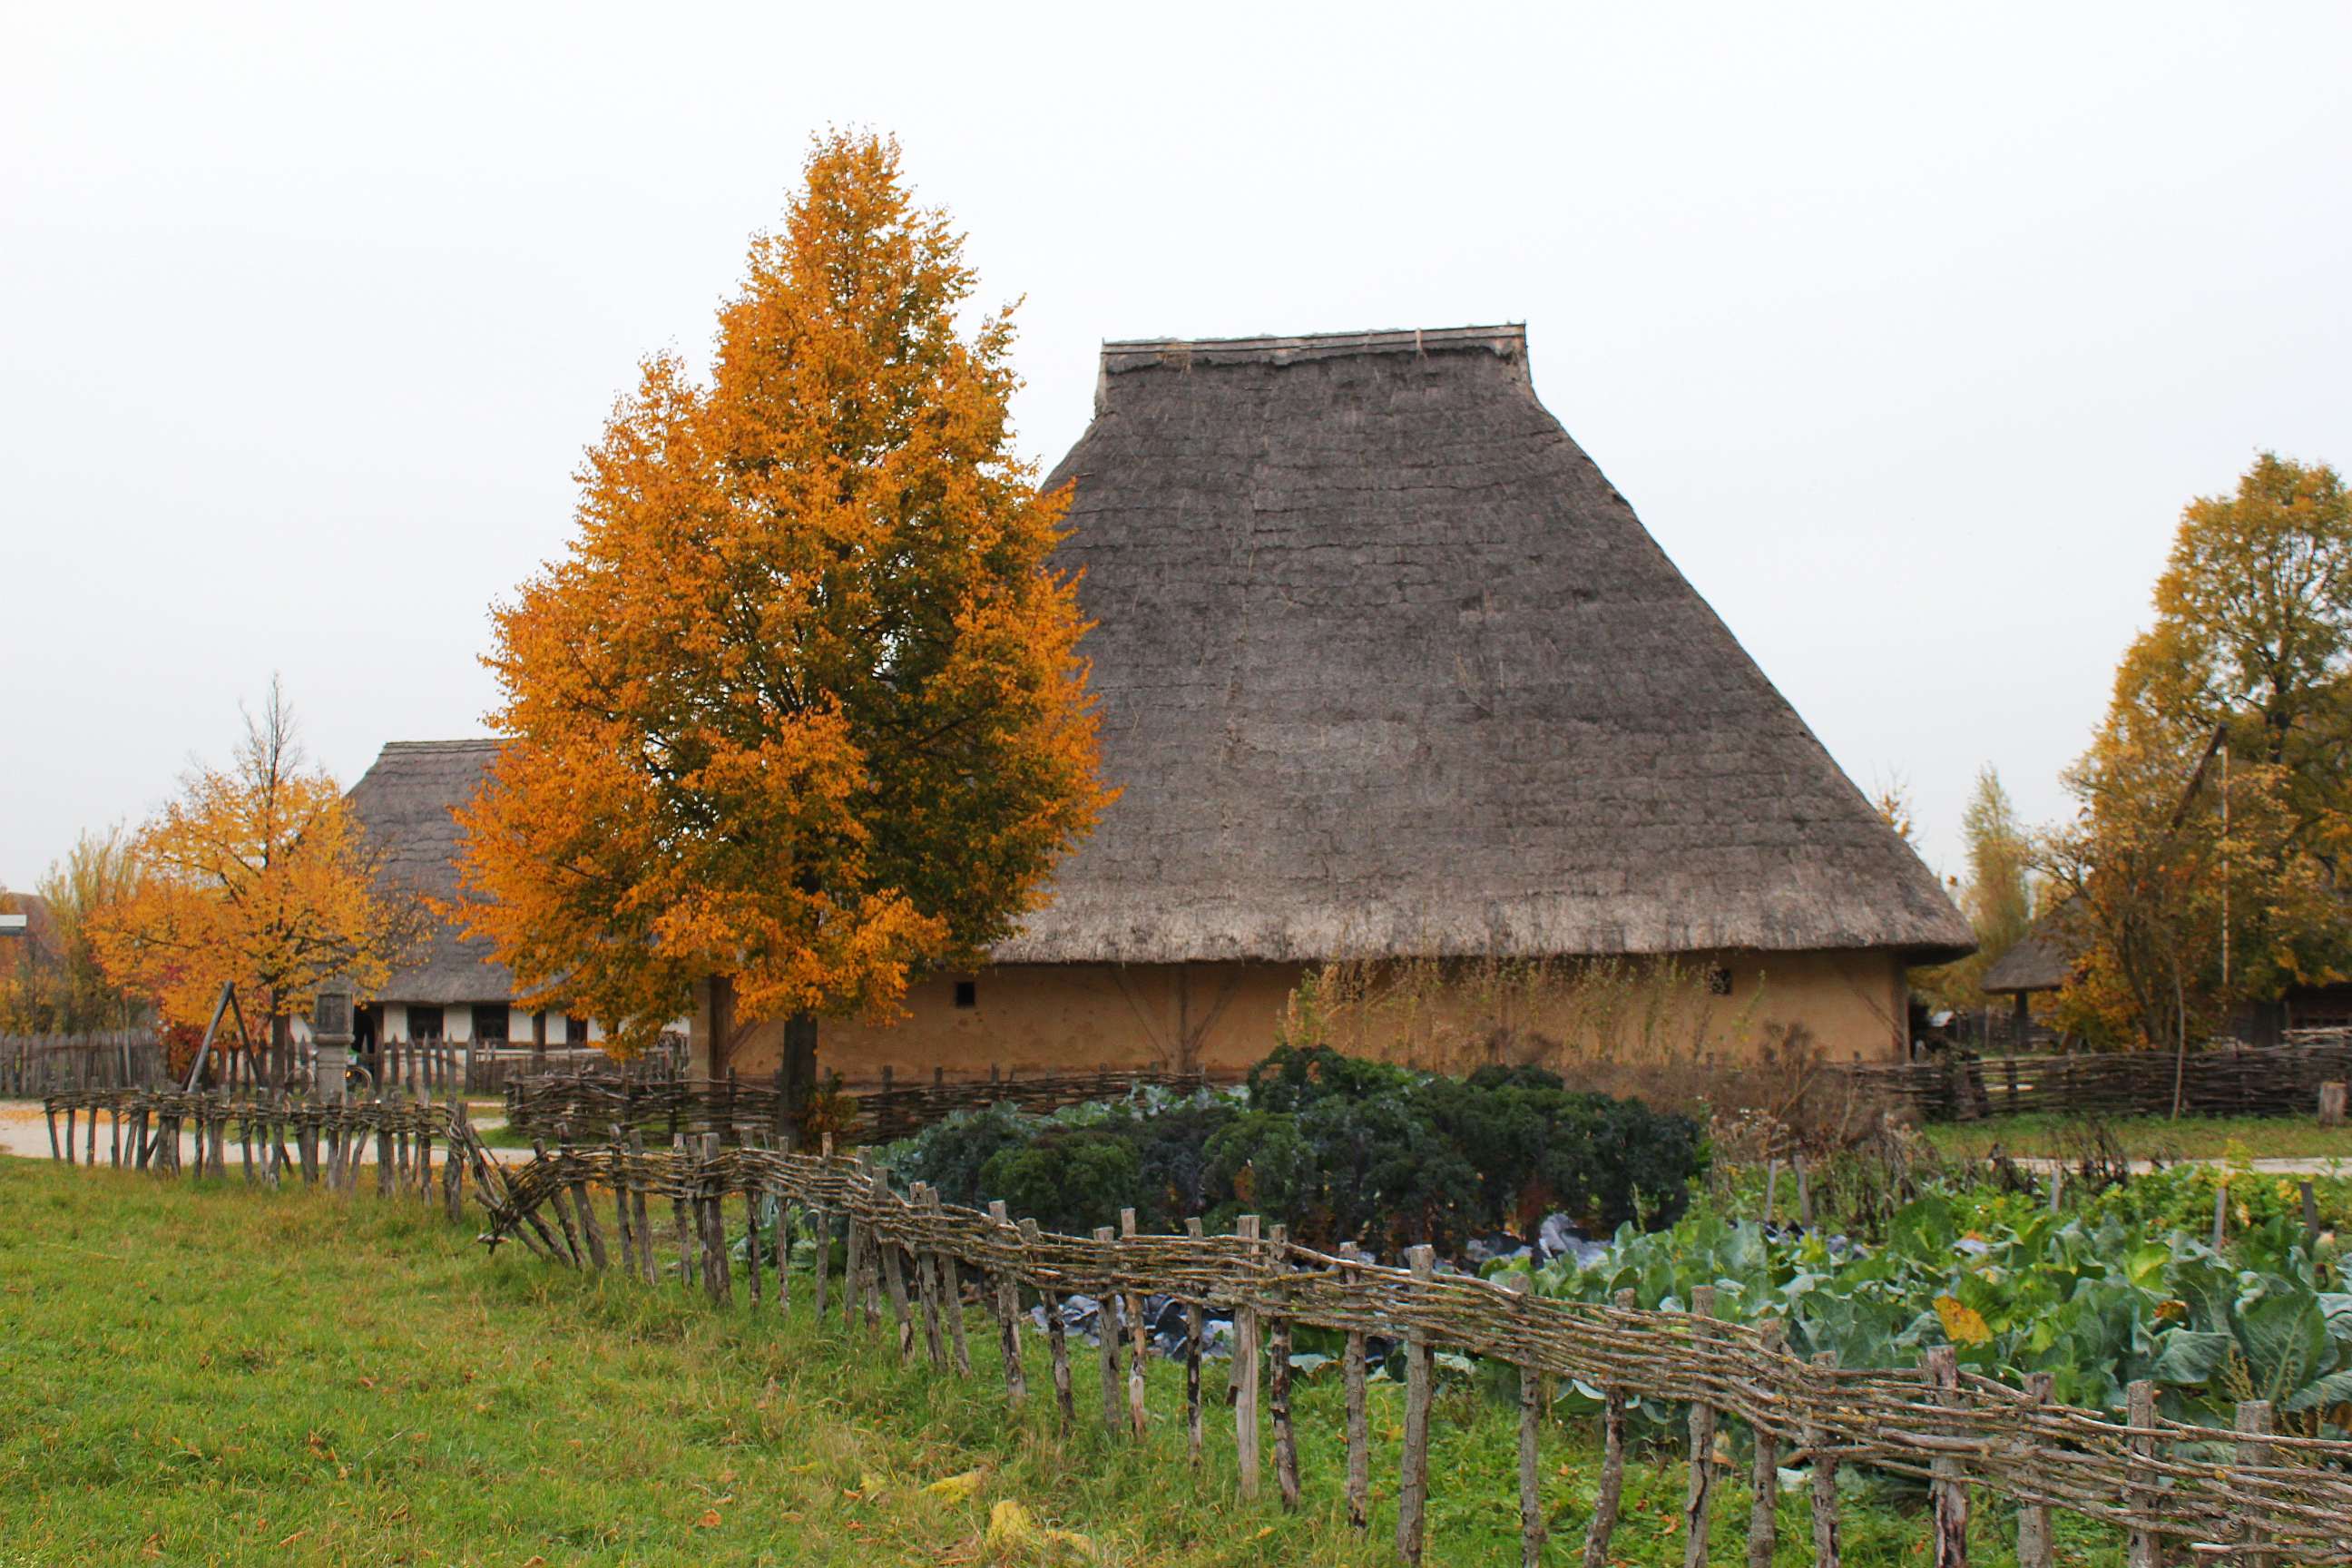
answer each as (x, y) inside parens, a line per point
(950, 1275)
(894, 1278)
(927, 1289)
(1352, 1374)
(1611, 1492)
(2254, 1452)
(2331, 1103)
(1006, 1287)
(1949, 1490)
(1531, 1515)
(1818, 1439)
(1245, 1367)
(1412, 1481)
(1764, 1472)
(1277, 1347)
(2034, 1546)
(1107, 1337)
(1699, 1502)
(1056, 1338)
(1195, 1333)
(2143, 1548)
(647, 1268)
(688, 1245)
(1138, 1333)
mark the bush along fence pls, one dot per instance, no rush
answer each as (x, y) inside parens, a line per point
(731, 1107)
(33, 1065)
(2251, 1495)
(2222, 1081)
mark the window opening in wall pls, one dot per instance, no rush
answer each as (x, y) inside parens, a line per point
(575, 1029)
(423, 1023)
(967, 993)
(1718, 982)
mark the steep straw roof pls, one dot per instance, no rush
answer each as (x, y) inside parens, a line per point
(404, 802)
(1388, 667)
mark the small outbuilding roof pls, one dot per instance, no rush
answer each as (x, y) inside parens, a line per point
(1387, 667)
(404, 803)
(2042, 959)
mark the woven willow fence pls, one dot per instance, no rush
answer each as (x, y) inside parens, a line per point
(2248, 1496)
(730, 1107)
(2252, 1495)
(2222, 1080)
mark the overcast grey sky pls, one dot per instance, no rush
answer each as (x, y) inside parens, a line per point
(1907, 334)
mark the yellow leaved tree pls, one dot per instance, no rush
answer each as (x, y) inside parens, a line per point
(800, 710)
(255, 874)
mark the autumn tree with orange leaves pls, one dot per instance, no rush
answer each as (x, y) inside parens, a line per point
(256, 874)
(800, 712)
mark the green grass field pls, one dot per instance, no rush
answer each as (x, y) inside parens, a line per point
(204, 1375)
(2148, 1137)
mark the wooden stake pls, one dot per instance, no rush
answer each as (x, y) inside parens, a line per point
(1056, 1340)
(1816, 1441)
(1531, 1515)
(1107, 1335)
(1610, 1493)
(951, 1294)
(1764, 1473)
(1006, 1290)
(648, 1269)
(1413, 1484)
(1247, 1359)
(2034, 1546)
(1195, 1336)
(2142, 1547)
(1698, 1502)
(2254, 1452)
(1353, 1372)
(926, 1292)
(1138, 1342)
(1949, 1491)
(1277, 1350)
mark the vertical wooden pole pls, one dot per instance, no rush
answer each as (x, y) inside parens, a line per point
(1138, 1334)
(646, 1266)
(1006, 1289)
(950, 1273)
(1948, 1490)
(1412, 1483)
(2142, 1547)
(927, 1290)
(1610, 1495)
(752, 1265)
(1352, 1374)
(1247, 1363)
(894, 1278)
(1824, 1488)
(1698, 1502)
(2254, 1452)
(1195, 1338)
(1277, 1350)
(1764, 1474)
(689, 1251)
(1107, 1335)
(1056, 1339)
(717, 1256)
(620, 1202)
(1531, 1514)
(2034, 1546)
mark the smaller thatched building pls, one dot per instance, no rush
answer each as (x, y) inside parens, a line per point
(451, 989)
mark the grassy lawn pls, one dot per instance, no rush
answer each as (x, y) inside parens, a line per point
(202, 1374)
(2150, 1137)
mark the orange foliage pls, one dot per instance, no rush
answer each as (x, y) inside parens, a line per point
(256, 874)
(801, 704)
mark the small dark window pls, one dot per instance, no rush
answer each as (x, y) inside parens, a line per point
(490, 1023)
(575, 1029)
(967, 993)
(425, 1023)
(1718, 982)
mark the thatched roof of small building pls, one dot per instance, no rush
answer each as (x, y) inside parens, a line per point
(1387, 667)
(2042, 959)
(404, 803)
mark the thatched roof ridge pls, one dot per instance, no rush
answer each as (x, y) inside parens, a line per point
(2041, 960)
(1387, 667)
(404, 803)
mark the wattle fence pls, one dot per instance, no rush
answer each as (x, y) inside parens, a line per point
(35, 1065)
(913, 1268)
(885, 1111)
(2217, 1080)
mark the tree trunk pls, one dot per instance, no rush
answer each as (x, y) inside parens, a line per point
(799, 1072)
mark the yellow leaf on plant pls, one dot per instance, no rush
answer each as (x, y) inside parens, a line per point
(955, 1488)
(871, 1484)
(1963, 1324)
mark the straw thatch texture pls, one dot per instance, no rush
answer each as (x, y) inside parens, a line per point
(1388, 667)
(404, 803)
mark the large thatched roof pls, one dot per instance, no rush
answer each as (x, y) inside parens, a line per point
(1387, 667)
(404, 802)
